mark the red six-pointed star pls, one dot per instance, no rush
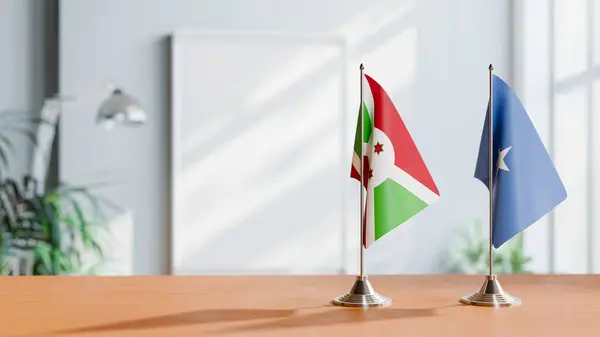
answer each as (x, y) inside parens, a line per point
(378, 148)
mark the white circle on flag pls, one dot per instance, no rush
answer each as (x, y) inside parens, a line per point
(381, 158)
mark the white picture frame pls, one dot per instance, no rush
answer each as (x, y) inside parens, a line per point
(302, 256)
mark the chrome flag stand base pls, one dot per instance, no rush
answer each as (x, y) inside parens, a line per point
(362, 295)
(491, 294)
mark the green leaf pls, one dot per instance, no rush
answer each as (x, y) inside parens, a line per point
(43, 253)
(472, 255)
(54, 228)
(57, 215)
(96, 246)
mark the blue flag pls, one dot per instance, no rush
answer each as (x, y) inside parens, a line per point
(526, 185)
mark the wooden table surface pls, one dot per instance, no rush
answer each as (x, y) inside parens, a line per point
(562, 306)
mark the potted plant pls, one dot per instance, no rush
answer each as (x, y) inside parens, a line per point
(60, 231)
(473, 255)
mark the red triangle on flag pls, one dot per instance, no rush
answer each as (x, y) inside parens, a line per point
(387, 119)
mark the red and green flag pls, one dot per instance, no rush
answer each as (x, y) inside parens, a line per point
(397, 181)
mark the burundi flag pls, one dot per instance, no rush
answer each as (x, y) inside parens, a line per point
(397, 181)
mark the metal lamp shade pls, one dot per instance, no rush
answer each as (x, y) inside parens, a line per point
(120, 108)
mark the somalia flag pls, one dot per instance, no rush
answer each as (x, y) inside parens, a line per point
(525, 183)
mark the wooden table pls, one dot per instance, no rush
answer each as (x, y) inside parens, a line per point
(166, 306)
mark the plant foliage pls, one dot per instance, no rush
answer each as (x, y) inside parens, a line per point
(473, 256)
(52, 233)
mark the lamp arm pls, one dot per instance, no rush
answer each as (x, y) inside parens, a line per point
(46, 132)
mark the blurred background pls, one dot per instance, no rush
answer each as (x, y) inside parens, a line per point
(234, 123)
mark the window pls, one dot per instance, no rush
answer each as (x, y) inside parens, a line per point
(557, 75)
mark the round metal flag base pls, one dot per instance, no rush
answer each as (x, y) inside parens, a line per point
(491, 294)
(361, 295)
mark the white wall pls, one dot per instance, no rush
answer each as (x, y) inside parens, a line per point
(431, 56)
(23, 65)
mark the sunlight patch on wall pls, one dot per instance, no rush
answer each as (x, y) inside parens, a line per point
(310, 61)
(394, 63)
(265, 174)
(372, 19)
